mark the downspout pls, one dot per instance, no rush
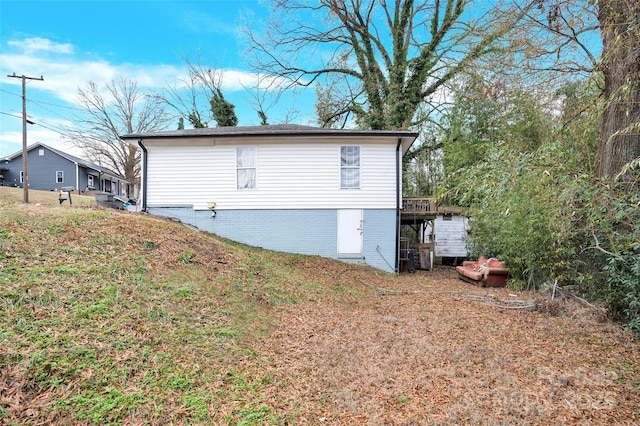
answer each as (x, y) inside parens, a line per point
(77, 179)
(398, 204)
(143, 175)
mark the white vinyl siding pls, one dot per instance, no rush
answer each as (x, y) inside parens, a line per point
(289, 176)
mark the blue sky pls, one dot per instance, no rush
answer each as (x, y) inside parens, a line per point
(70, 43)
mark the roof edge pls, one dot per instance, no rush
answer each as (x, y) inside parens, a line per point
(261, 131)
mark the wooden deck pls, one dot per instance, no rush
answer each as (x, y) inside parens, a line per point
(419, 214)
(419, 208)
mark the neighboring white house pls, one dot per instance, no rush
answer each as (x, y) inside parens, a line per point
(328, 192)
(451, 229)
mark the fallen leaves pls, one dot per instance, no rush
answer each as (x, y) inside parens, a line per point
(451, 359)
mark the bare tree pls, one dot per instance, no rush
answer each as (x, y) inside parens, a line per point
(185, 97)
(121, 108)
(558, 37)
(265, 95)
(198, 96)
(395, 54)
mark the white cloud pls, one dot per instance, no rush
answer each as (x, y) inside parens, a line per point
(11, 142)
(236, 80)
(63, 72)
(63, 76)
(38, 44)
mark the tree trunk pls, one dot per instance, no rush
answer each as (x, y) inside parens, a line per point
(619, 133)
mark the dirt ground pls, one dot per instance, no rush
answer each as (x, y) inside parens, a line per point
(431, 349)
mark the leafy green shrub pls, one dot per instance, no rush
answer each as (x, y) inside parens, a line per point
(552, 224)
(523, 210)
(614, 242)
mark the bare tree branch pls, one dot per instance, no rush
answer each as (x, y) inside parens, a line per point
(118, 108)
(396, 52)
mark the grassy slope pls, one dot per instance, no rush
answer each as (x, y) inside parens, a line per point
(44, 197)
(108, 317)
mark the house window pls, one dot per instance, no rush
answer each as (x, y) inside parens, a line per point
(90, 182)
(21, 176)
(41, 152)
(59, 176)
(349, 167)
(246, 167)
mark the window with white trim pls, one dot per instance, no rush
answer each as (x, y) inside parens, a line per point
(349, 167)
(246, 167)
(21, 176)
(90, 182)
(59, 176)
(41, 152)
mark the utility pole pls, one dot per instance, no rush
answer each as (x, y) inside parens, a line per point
(25, 174)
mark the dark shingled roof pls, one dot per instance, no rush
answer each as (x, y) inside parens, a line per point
(270, 130)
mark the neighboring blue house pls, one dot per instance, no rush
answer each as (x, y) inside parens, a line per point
(329, 192)
(51, 169)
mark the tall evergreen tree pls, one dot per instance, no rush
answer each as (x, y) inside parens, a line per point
(223, 111)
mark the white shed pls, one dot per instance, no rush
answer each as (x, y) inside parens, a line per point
(451, 229)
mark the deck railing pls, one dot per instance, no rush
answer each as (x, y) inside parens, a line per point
(419, 206)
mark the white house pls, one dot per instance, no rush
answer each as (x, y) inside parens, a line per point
(328, 192)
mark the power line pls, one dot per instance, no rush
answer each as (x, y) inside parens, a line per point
(42, 123)
(56, 105)
(11, 93)
(50, 126)
(53, 112)
(33, 101)
(10, 115)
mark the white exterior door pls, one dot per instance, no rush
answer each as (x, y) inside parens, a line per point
(350, 225)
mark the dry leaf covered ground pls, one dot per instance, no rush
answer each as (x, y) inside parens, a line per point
(116, 318)
(432, 354)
